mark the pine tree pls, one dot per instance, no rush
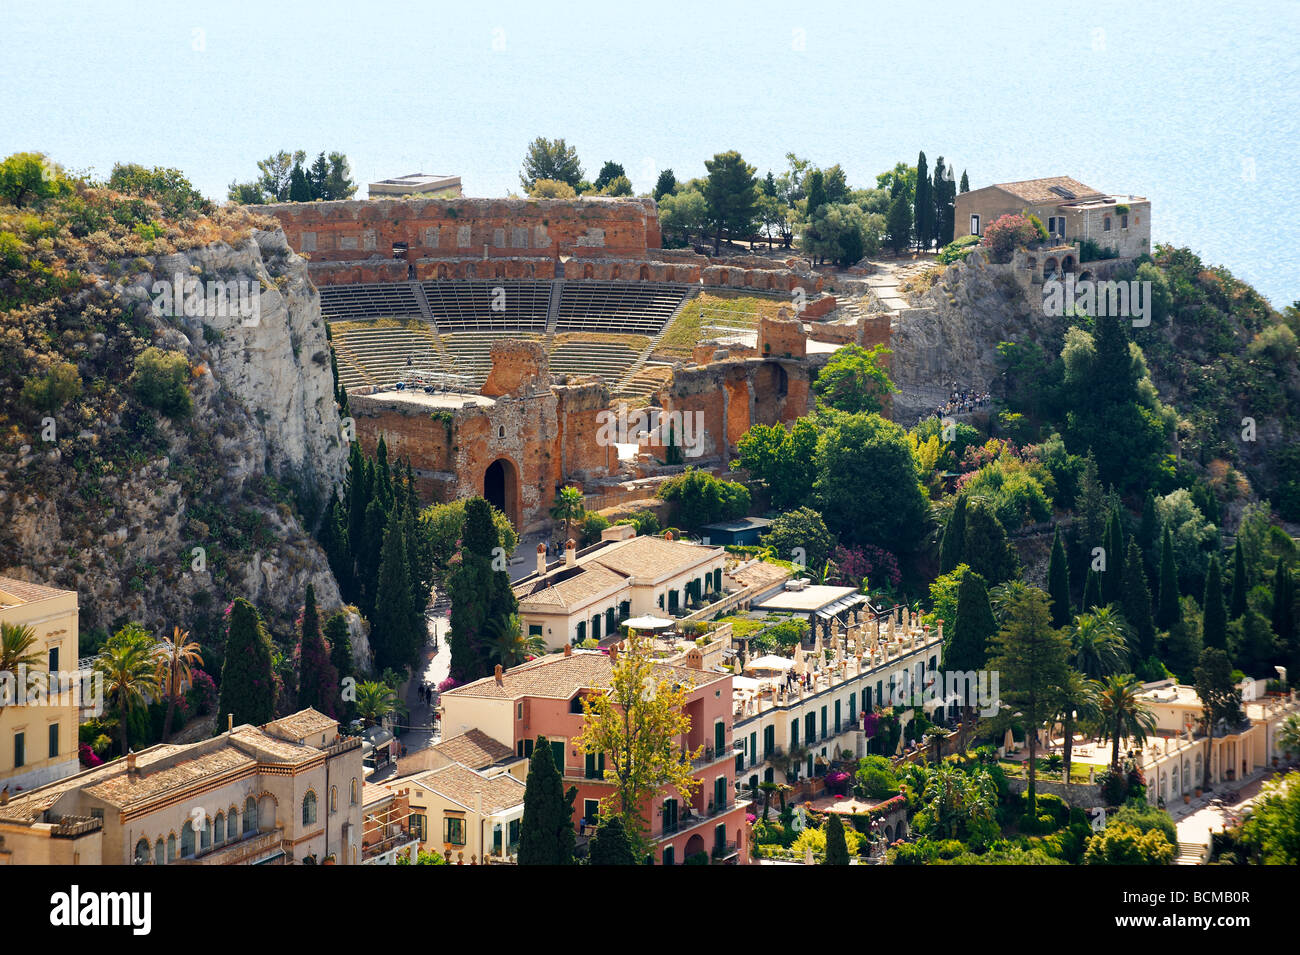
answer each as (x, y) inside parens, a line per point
(1058, 583)
(546, 831)
(1170, 612)
(967, 641)
(1112, 580)
(393, 634)
(954, 538)
(610, 844)
(965, 183)
(1283, 619)
(247, 678)
(815, 184)
(1136, 602)
(1239, 588)
(923, 204)
(837, 849)
(1091, 592)
(1214, 623)
(318, 681)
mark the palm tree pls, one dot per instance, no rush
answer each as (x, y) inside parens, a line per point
(1002, 597)
(1100, 642)
(17, 649)
(129, 665)
(375, 700)
(1123, 715)
(179, 656)
(1288, 734)
(1075, 702)
(509, 646)
(767, 789)
(568, 507)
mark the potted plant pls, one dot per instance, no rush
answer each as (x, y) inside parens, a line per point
(1187, 797)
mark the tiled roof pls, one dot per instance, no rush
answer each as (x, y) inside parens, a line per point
(302, 724)
(570, 591)
(760, 573)
(650, 556)
(28, 593)
(374, 795)
(1040, 190)
(125, 790)
(559, 677)
(474, 749)
(463, 785)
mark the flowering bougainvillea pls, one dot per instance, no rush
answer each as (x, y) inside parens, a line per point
(866, 563)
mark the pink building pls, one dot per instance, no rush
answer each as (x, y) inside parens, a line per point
(544, 698)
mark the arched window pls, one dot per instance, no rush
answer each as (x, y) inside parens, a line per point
(1105, 224)
(353, 797)
(334, 799)
(142, 852)
(159, 852)
(232, 823)
(205, 834)
(250, 815)
(266, 813)
(171, 847)
(187, 839)
(219, 829)
(309, 808)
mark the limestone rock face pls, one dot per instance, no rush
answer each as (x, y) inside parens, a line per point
(167, 529)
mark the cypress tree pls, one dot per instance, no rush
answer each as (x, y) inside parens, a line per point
(966, 644)
(394, 635)
(1283, 604)
(1058, 582)
(479, 594)
(1091, 592)
(546, 831)
(936, 198)
(1136, 602)
(1238, 605)
(358, 501)
(923, 204)
(1214, 625)
(383, 475)
(837, 848)
(1170, 611)
(610, 845)
(954, 538)
(370, 554)
(247, 678)
(340, 644)
(965, 183)
(1148, 535)
(816, 188)
(1112, 581)
(986, 549)
(318, 681)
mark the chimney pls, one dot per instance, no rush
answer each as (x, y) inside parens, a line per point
(541, 560)
(668, 535)
(130, 762)
(568, 649)
(499, 672)
(570, 553)
(4, 796)
(230, 722)
(613, 653)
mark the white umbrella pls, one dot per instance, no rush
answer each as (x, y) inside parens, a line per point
(648, 623)
(771, 662)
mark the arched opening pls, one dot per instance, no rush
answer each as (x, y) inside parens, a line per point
(587, 272)
(501, 488)
(442, 271)
(498, 271)
(470, 270)
(694, 845)
(1085, 276)
(1051, 268)
(644, 274)
(142, 852)
(724, 277)
(1067, 264)
(266, 813)
(617, 273)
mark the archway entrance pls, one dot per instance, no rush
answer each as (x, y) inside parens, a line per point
(501, 488)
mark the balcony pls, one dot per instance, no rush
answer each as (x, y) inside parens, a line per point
(691, 817)
(712, 755)
(251, 850)
(394, 839)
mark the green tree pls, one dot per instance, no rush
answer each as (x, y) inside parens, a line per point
(550, 159)
(953, 544)
(610, 844)
(801, 535)
(375, 700)
(815, 186)
(340, 644)
(1074, 703)
(161, 381)
(1220, 699)
(546, 831)
(855, 380)
(898, 224)
(665, 184)
(783, 460)
(987, 550)
(1283, 618)
(168, 187)
(318, 681)
(568, 506)
(18, 648)
(1148, 535)
(247, 678)
(967, 643)
(923, 203)
(177, 660)
(479, 588)
(30, 176)
(638, 723)
(698, 498)
(1123, 714)
(1169, 613)
(1135, 601)
(1112, 577)
(837, 850)
(129, 665)
(1099, 643)
(608, 173)
(1123, 844)
(965, 183)
(1272, 831)
(396, 624)
(1240, 583)
(1214, 622)
(732, 196)
(1031, 657)
(684, 213)
(1091, 591)
(1058, 582)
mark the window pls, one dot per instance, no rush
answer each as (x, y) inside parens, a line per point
(669, 855)
(794, 733)
(232, 823)
(309, 809)
(720, 793)
(974, 225)
(219, 829)
(769, 740)
(823, 722)
(205, 834)
(418, 824)
(595, 766)
(1105, 223)
(719, 736)
(513, 833)
(20, 749)
(250, 815)
(171, 847)
(454, 830)
(1056, 226)
(159, 852)
(334, 799)
(837, 716)
(591, 810)
(582, 631)
(187, 839)
(496, 839)
(54, 740)
(1123, 221)
(352, 794)
(853, 708)
(557, 752)
(142, 852)
(54, 661)
(595, 627)
(810, 728)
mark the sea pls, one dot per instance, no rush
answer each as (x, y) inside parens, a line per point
(1192, 104)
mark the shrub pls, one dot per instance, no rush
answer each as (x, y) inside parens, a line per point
(1007, 234)
(1147, 818)
(875, 778)
(958, 249)
(54, 389)
(161, 381)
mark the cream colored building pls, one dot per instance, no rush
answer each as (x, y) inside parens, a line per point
(589, 594)
(38, 737)
(465, 815)
(416, 185)
(287, 792)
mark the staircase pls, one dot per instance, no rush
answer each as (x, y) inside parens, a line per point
(1192, 853)
(626, 385)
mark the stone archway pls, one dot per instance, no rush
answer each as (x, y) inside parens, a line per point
(694, 845)
(501, 488)
(1067, 264)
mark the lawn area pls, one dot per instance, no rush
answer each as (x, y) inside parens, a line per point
(738, 312)
(743, 626)
(1078, 771)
